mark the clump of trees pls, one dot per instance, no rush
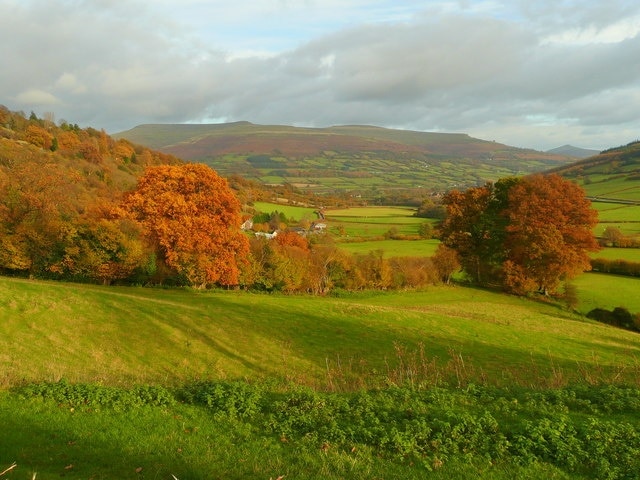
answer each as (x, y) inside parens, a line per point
(191, 219)
(292, 264)
(613, 237)
(617, 267)
(525, 234)
(618, 317)
(77, 205)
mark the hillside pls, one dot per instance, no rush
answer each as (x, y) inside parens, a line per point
(124, 335)
(611, 176)
(572, 151)
(355, 158)
(60, 193)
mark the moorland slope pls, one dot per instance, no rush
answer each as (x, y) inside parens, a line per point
(356, 158)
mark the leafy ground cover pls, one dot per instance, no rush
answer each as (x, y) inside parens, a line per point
(241, 430)
(450, 382)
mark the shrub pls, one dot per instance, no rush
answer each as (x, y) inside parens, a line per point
(232, 399)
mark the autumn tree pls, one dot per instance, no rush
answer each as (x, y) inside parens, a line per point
(327, 268)
(191, 217)
(104, 246)
(38, 136)
(293, 239)
(527, 234)
(36, 213)
(549, 231)
(446, 263)
(475, 228)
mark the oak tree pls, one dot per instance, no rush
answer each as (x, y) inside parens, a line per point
(527, 234)
(549, 231)
(190, 215)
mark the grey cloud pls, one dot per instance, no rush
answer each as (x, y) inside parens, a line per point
(114, 64)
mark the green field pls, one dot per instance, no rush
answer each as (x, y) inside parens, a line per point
(374, 213)
(445, 383)
(290, 211)
(608, 291)
(136, 335)
(628, 254)
(393, 248)
(626, 218)
(373, 221)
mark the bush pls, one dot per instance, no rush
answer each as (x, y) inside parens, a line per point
(231, 399)
(618, 317)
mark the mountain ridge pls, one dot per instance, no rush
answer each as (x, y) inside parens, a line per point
(574, 151)
(321, 158)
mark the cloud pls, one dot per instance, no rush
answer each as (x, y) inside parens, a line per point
(34, 96)
(534, 74)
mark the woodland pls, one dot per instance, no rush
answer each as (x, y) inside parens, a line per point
(75, 204)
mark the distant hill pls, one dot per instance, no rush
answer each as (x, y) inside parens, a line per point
(354, 158)
(571, 151)
(613, 175)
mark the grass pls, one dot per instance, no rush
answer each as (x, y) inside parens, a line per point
(134, 335)
(378, 214)
(393, 248)
(290, 211)
(628, 254)
(608, 291)
(447, 339)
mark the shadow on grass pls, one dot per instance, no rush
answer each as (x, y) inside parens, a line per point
(374, 351)
(53, 442)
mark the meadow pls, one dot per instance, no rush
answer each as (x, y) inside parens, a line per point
(126, 335)
(449, 382)
(393, 248)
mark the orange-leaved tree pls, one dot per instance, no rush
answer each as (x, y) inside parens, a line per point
(192, 218)
(549, 233)
(527, 234)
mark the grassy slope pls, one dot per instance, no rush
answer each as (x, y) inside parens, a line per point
(608, 291)
(354, 158)
(135, 335)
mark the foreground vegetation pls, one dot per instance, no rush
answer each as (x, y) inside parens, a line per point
(450, 382)
(239, 430)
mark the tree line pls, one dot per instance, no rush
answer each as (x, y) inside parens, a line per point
(77, 205)
(87, 207)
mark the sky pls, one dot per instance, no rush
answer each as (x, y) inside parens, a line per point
(534, 74)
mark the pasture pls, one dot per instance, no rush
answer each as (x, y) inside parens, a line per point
(363, 229)
(607, 291)
(290, 211)
(393, 248)
(125, 335)
(624, 217)
(445, 383)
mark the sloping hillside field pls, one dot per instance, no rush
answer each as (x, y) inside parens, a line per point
(451, 382)
(123, 336)
(356, 158)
